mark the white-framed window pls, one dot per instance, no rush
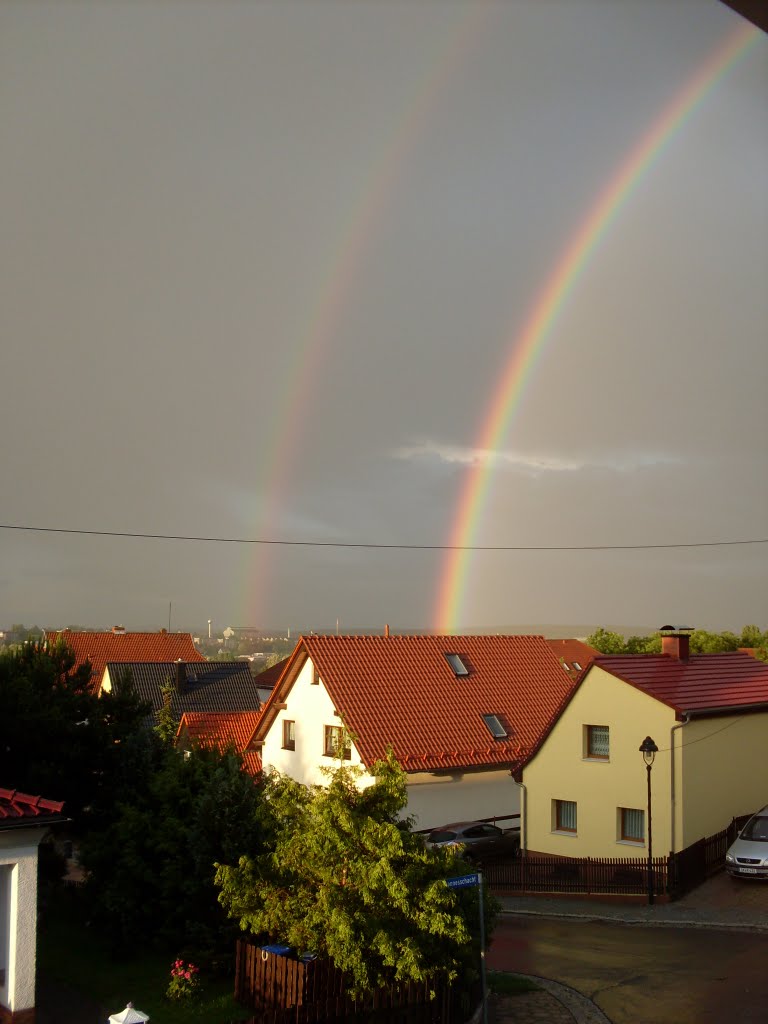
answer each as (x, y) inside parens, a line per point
(564, 816)
(597, 743)
(333, 738)
(289, 734)
(631, 825)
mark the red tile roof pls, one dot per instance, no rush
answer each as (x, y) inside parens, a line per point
(705, 682)
(266, 680)
(120, 646)
(22, 809)
(401, 691)
(576, 654)
(220, 728)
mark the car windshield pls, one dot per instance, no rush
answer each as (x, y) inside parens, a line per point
(442, 837)
(756, 829)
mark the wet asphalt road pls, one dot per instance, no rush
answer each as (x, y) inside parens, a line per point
(640, 975)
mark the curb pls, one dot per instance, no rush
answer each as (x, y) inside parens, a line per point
(740, 926)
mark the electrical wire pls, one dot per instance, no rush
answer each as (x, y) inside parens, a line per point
(380, 546)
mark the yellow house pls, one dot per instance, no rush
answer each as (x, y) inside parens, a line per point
(586, 785)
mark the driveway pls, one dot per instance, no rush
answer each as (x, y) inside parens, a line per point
(721, 892)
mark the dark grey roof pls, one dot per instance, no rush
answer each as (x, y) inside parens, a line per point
(208, 685)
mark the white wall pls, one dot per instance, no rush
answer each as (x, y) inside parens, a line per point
(461, 796)
(310, 707)
(18, 904)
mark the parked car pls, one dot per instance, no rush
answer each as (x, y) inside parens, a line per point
(747, 857)
(479, 839)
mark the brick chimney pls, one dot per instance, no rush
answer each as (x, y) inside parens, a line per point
(181, 676)
(675, 641)
(118, 629)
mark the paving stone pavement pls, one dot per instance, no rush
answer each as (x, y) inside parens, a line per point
(529, 1008)
(553, 1004)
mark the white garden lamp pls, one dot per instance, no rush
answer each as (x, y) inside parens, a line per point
(129, 1016)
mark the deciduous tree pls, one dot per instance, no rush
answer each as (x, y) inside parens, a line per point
(347, 879)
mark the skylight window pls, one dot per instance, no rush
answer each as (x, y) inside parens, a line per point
(458, 666)
(495, 728)
(577, 666)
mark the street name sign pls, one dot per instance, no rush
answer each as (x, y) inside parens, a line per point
(463, 881)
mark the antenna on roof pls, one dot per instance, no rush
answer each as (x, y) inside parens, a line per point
(169, 616)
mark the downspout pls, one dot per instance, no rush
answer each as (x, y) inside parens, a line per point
(672, 731)
(523, 814)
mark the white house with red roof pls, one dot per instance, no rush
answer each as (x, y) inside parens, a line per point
(460, 714)
(586, 785)
(24, 820)
(118, 645)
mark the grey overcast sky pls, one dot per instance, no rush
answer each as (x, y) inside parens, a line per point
(263, 264)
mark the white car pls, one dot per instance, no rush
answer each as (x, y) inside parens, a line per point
(748, 855)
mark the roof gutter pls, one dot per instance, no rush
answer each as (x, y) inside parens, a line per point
(10, 824)
(731, 709)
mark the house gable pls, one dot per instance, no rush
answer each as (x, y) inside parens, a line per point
(302, 698)
(589, 764)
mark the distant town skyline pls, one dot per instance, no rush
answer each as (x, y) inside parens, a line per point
(304, 272)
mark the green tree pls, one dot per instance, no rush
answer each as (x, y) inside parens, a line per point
(643, 644)
(167, 724)
(753, 636)
(606, 642)
(57, 739)
(348, 880)
(703, 642)
(152, 868)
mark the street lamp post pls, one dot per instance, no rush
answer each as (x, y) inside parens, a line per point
(649, 750)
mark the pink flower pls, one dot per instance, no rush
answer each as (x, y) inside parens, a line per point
(187, 974)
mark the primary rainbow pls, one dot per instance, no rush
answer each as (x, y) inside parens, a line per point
(529, 341)
(343, 267)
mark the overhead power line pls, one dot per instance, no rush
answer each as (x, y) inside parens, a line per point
(384, 547)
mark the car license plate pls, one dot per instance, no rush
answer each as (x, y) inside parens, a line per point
(748, 871)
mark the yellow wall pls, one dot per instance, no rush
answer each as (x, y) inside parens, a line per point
(560, 771)
(725, 772)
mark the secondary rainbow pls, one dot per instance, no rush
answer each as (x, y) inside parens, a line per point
(344, 266)
(528, 343)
